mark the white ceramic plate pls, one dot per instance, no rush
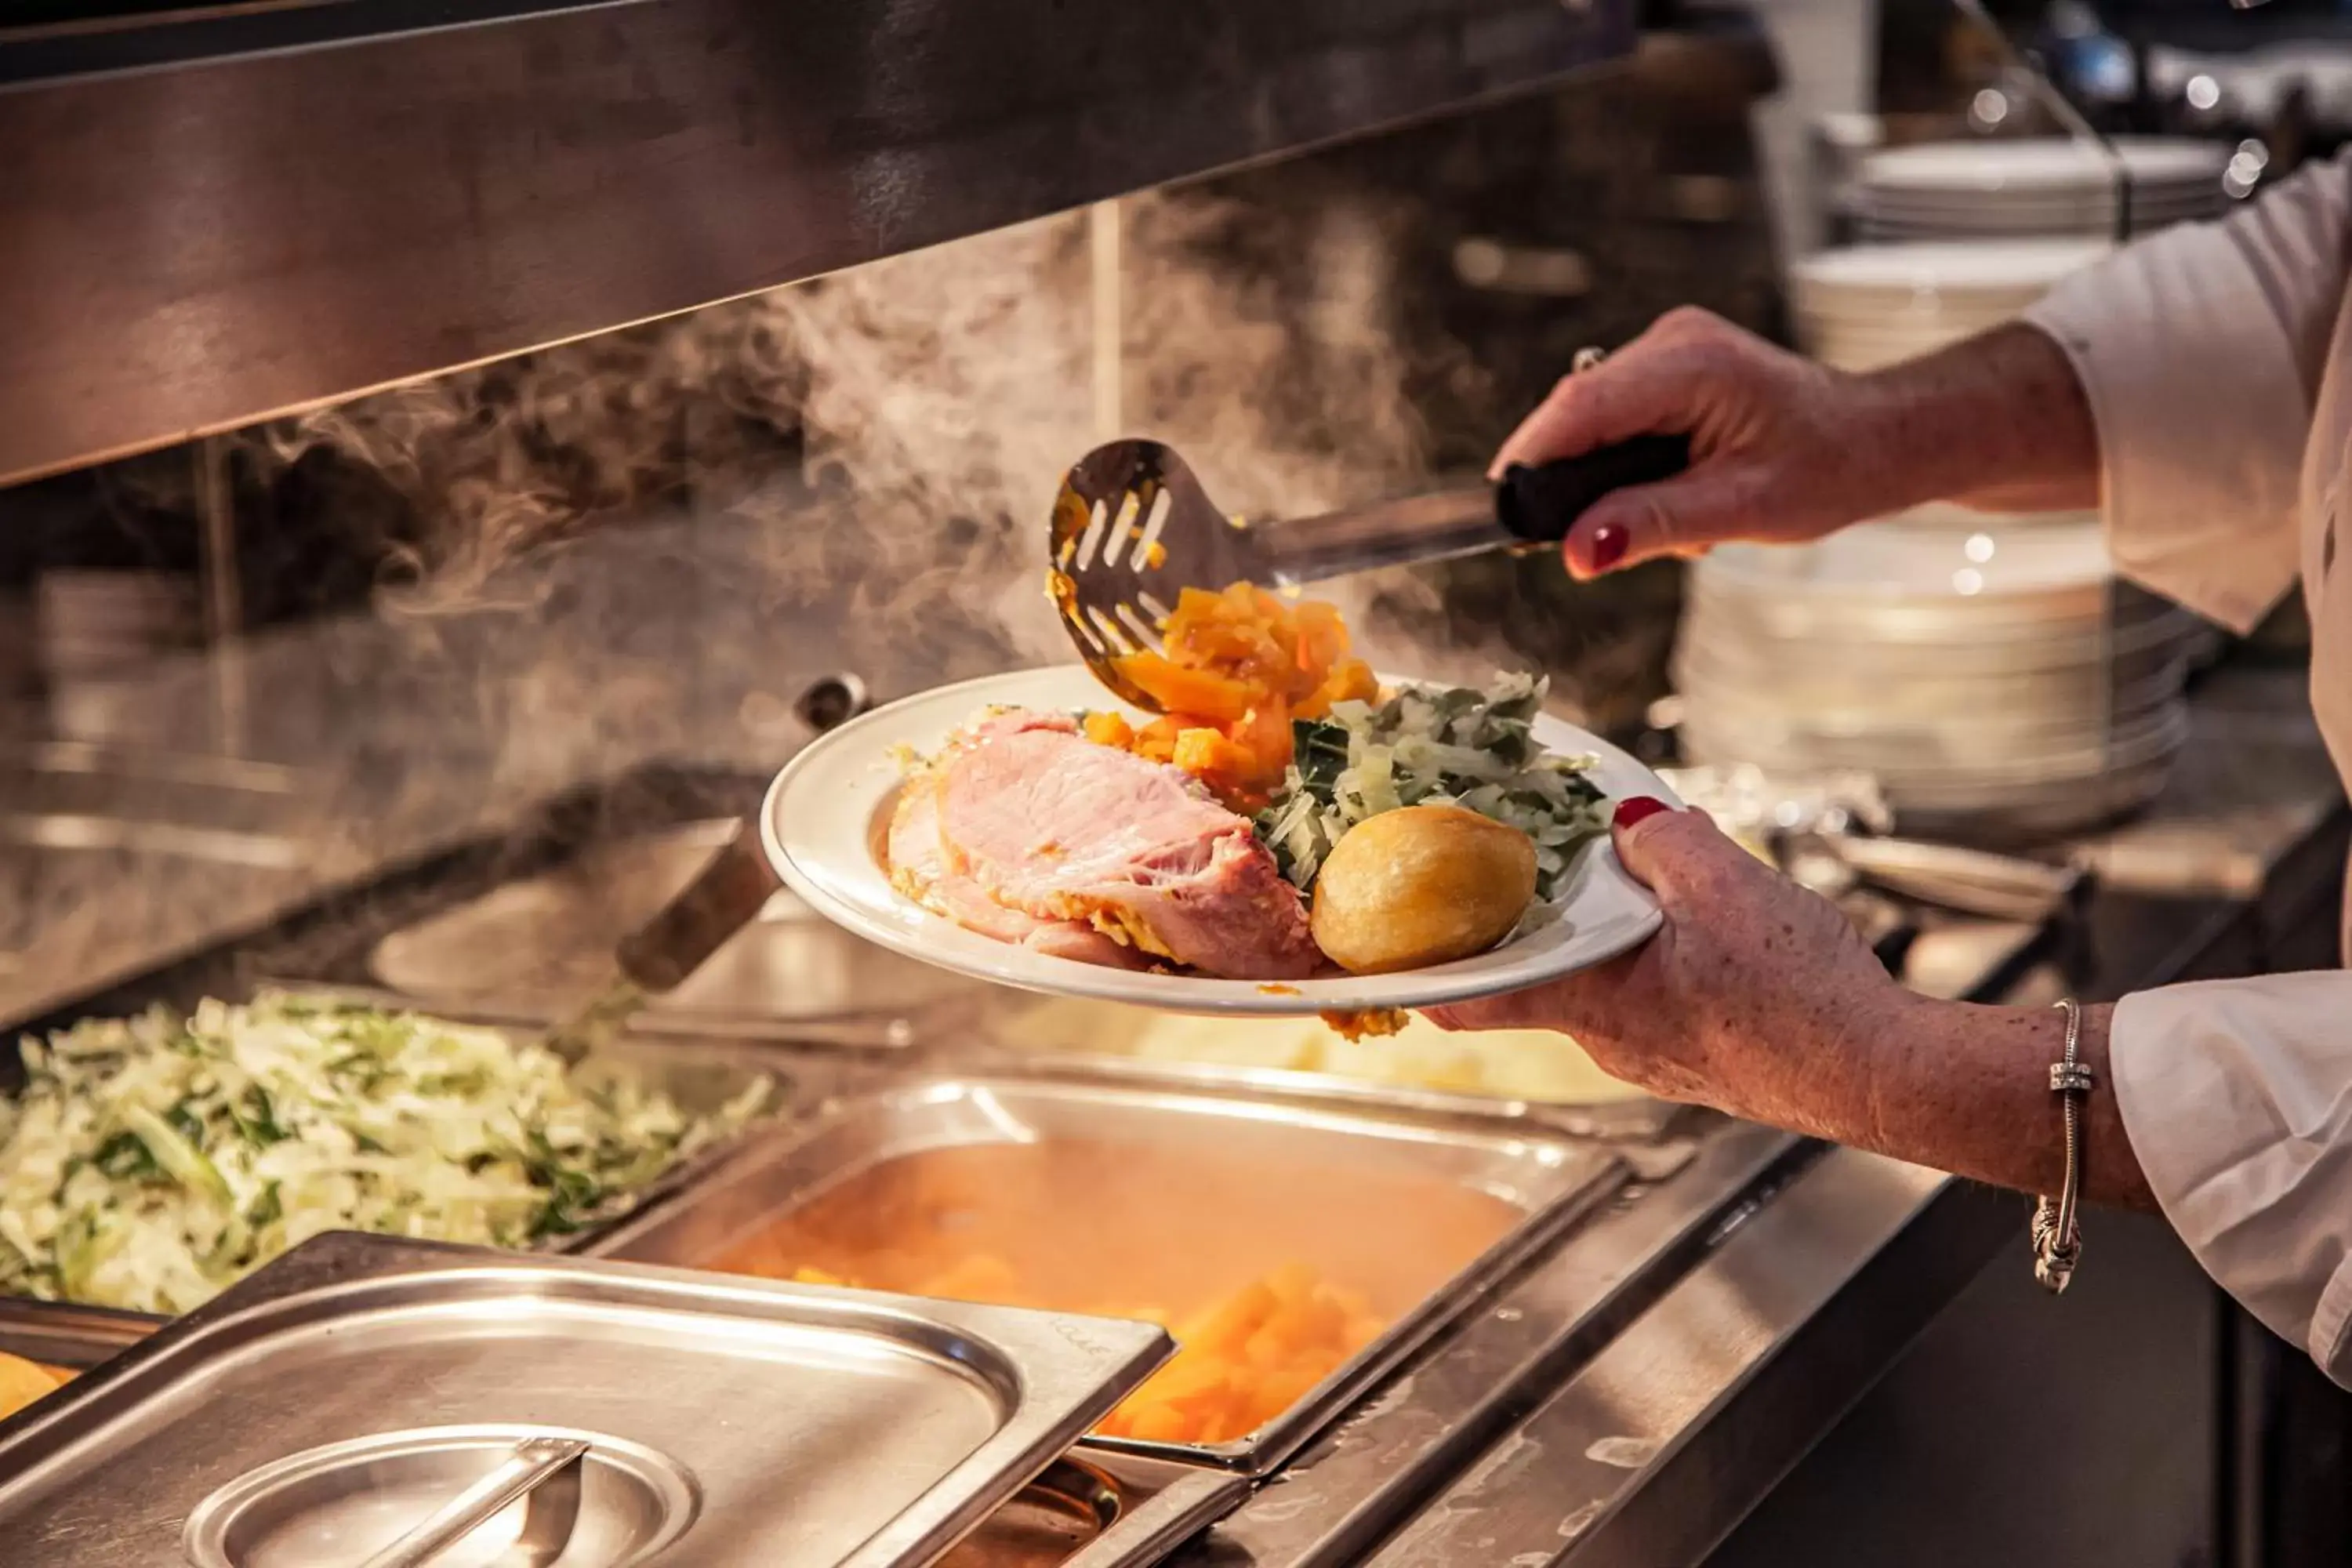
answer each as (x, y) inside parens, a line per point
(1880, 275)
(825, 812)
(2043, 164)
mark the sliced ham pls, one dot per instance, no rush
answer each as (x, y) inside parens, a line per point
(1026, 830)
(918, 870)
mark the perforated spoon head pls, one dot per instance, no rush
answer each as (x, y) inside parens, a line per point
(1131, 529)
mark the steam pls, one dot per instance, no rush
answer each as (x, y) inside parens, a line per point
(888, 439)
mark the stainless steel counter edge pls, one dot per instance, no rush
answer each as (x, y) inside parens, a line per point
(1182, 1505)
(1654, 1451)
(1364, 1476)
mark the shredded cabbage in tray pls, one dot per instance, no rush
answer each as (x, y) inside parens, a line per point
(1431, 747)
(150, 1161)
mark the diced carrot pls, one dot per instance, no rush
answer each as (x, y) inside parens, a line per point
(1206, 755)
(1156, 1423)
(1178, 689)
(1156, 740)
(1110, 730)
(1292, 1282)
(1351, 680)
(1228, 1326)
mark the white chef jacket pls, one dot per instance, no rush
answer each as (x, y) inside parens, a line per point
(2218, 364)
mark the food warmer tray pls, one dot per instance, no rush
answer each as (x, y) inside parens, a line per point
(1101, 1510)
(1548, 1184)
(699, 1073)
(730, 1421)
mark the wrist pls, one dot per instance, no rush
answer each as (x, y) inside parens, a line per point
(2000, 415)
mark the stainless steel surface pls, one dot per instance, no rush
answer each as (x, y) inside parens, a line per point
(1364, 1476)
(71, 796)
(1631, 1119)
(1093, 1510)
(593, 1501)
(1656, 1449)
(1548, 1180)
(535, 949)
(66, 1335)
(857, 1428)
(542, 1474)
(1174, 1502)
(462, 191)
(1995, 887)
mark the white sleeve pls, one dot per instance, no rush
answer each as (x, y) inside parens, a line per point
(2237, 1097)
(2201, 352)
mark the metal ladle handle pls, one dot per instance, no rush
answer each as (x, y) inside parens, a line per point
(725, 895)
(735, 883)
(532, 1467)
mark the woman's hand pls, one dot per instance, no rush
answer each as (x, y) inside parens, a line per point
(1759, 999)
(1753, 986)
(1784, 450)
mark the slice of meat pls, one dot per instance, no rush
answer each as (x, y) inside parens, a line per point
(918, 870)
(1044, 822)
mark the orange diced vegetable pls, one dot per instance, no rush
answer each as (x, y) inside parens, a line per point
(1242, 663)
(1206, 754)
(1179, 689)
(1110, 730)
(1243, 1359)
(1157, 1423)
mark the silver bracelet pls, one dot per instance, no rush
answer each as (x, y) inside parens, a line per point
(2057, 1244)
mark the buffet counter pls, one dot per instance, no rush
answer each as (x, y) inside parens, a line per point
(1626, 1326)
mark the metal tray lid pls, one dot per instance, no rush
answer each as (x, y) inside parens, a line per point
(337, 1400)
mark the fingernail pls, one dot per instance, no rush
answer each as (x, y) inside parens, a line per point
(1609, 541)
(1640, 808)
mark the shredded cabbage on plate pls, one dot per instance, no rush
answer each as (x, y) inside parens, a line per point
(1431, 746)
(151, 1162)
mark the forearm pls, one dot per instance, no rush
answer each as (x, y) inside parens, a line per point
(1963, 1088)
(1998, 422)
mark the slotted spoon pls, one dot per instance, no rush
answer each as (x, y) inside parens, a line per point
(1132, 528)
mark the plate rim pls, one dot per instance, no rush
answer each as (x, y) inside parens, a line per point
(1409, 989)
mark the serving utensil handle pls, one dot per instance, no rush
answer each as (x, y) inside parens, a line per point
(1540, 503)
(725, 895)
(535, 1463)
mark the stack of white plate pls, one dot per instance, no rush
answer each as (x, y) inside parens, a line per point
(1872, 305)
(2013, 189)
(1991, 674)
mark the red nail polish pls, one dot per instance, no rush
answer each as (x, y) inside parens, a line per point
(1609, 543)
(1640, 808)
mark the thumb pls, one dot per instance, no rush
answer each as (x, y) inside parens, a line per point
(1670, 852)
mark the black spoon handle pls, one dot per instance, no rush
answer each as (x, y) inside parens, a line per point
(1541, 504)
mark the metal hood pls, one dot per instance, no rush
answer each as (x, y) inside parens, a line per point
(208, 217)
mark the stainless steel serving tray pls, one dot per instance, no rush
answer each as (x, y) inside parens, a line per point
(1548, 1180)
(69, 1336)
(1103, 1511)
(792, 1424)
(699, 1072)
(1635, 1119)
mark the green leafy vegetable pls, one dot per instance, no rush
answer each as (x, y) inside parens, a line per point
(150, 1161)
(1455, 746)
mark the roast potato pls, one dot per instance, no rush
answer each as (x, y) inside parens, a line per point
(1420, 886)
